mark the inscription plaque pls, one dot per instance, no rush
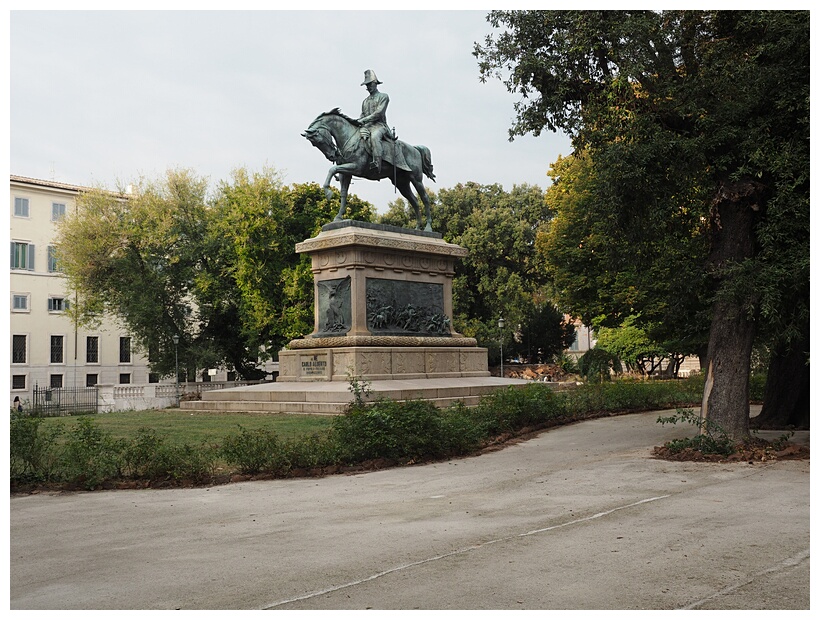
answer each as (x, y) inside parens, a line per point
(314, 365)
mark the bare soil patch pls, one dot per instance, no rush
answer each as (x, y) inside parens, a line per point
(752, 451)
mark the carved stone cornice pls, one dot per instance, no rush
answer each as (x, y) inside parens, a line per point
(333, 342)
(379, 239)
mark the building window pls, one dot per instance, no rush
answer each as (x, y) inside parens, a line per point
(57, 211)
(92, 349)
(153, 377)
(22, 255)
(57, 304)
(53, 263)
(19, 303)
(18, 349)
(21, 207)
(56, 381)
(18, 382)
(56, 349)
(125, 378)
(125, 350)
(90, 380)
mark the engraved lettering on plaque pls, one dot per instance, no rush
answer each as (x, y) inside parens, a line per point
(314, 365)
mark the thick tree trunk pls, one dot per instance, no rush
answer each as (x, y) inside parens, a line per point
(786, 396)
(726, 389)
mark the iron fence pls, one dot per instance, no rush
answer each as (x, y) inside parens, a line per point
(54, 402)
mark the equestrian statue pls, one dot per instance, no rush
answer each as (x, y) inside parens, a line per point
(366, 147)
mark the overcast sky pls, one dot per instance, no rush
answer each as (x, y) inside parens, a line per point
(98, 98)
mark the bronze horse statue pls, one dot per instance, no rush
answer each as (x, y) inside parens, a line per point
(337, 136)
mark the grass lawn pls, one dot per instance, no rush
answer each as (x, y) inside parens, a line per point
(193, 427)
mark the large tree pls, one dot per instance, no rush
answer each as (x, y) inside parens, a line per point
(704, 111)
(218, 271)
(134, 256)
(607, 272)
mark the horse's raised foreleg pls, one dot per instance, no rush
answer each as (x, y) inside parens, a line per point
(344, 171)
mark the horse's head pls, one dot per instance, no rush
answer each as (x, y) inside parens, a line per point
(320, 134)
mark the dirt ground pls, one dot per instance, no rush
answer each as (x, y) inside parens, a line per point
(753, 451)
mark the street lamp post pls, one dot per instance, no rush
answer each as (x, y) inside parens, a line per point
(175, 338)
(501, 342)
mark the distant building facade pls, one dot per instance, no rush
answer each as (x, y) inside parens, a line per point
(47, 348)
(584, 338)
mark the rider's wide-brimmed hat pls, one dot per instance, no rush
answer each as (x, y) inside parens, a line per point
(370, 76)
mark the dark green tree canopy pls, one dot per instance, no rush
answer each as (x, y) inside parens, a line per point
(686, 116)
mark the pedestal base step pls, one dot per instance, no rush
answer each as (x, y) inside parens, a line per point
(332, 397)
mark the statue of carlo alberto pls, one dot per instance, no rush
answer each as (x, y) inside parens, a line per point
(374, 117)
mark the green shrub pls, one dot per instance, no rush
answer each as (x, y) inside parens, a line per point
(32, 453)
(513, 408)
(91, 456)
(460, 430)
(567, 363)
(632, 395)
(254, 451)
(711, 439)
(757, 387)
(311, 451)
(386, 429)
(187, 462)
(596, 365)
(150, 457)
(409, 430)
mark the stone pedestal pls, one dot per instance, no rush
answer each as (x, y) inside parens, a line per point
(383, 299)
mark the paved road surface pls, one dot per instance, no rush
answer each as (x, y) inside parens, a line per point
(578, 518)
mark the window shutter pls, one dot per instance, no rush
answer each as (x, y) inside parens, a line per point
(30, 265)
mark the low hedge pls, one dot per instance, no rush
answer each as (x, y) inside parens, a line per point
(395, 431)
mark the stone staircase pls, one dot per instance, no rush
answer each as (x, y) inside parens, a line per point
(332, 397)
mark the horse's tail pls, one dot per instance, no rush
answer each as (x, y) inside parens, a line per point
(426, 162)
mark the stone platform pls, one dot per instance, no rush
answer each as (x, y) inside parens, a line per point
(332, 397)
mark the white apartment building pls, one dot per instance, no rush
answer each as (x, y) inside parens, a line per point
(47, 349)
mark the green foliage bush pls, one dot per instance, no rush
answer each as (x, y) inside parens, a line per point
(596, 365)
(256, 450)
(32, 453)
(151, 457)
(632, 395)
(91, 456)
(514, 408)
(400, 430)
(711, 438)
(757, 387)
(311, 451)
